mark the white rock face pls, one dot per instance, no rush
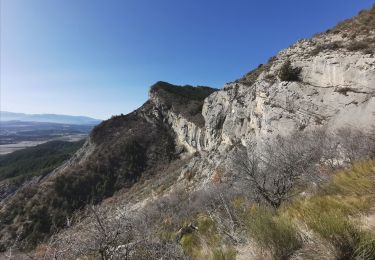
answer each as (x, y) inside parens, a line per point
(188, 134)
(337, 89)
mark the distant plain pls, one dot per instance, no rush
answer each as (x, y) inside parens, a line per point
(16, 135)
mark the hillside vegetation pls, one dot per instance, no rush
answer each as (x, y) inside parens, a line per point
(331, 217)
(186, 101)
(327, 224)
(278, 165)
(36, 161)
(187, 92)
(319, 215)
(127, 147)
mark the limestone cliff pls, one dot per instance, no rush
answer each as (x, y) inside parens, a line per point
(194, 128)
(336, 88)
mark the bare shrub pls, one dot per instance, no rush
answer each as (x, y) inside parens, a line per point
(365, 46)
(274, 166)
(327, 46)
(100, 235)
(356, 144)
(217, 201)
(107, 233)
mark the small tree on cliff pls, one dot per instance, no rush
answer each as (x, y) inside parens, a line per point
(289, 73)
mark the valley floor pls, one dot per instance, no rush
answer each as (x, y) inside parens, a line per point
(9, 148)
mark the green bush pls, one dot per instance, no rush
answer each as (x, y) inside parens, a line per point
(289, 73)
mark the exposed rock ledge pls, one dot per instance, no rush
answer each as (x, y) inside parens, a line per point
(337, 89)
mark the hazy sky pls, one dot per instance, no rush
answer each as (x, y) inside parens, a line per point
(99, 57)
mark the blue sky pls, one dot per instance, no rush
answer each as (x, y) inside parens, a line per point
(99, 57)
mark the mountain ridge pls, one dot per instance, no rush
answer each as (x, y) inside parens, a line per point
(172, 158)
(48, 118)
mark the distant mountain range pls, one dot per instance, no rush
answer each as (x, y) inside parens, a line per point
(49, 118)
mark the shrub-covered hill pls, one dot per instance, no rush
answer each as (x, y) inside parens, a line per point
(337, 221)
(328, 214)
(197, 173)
(120, 152)
(36, 161)
(187, 92)
(32, 164)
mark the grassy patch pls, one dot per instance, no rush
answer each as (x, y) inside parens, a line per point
(207, 229)
(224, 254)
(272, 231)
(330, 219)
(191, 245)
(358, 25)
(251, 77)
(330, 214)
(205, 241)
(357, 182)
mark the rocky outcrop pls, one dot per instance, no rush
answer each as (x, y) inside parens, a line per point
(342, 95)
(181, 108)
(336, 89)
(200, 125)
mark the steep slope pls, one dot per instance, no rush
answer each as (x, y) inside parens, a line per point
(19, 167)
(117, 154)
(326, 82)
(336, 87)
